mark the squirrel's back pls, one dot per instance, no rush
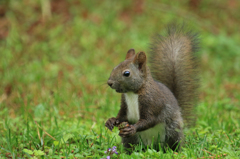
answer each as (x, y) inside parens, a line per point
(173, 62)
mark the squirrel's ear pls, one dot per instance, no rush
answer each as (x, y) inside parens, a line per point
(130, 54)
(140, 59)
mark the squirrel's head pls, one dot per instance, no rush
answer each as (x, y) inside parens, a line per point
(130, 74)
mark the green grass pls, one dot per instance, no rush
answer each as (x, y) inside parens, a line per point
(54, 100)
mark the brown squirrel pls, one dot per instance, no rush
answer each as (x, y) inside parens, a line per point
(156, 101)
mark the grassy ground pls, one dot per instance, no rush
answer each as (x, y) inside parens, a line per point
(54, 65)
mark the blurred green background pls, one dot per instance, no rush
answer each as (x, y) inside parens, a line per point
(56, 56)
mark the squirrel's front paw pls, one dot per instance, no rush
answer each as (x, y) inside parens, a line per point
(128, 131)
(111, 122)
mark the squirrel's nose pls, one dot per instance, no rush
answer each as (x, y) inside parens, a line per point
(110, 83)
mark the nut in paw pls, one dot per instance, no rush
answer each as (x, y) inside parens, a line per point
(128, 131)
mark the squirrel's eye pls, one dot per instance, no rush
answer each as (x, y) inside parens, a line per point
(126, 73)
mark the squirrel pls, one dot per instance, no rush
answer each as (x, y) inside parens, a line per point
(158, 99)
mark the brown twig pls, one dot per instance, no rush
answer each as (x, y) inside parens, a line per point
(44, 131)
(213, 155)
(46, 9)
(38, 132)
(208, 152)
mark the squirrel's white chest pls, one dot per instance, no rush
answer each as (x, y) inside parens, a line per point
(132, 107)
(156, 134)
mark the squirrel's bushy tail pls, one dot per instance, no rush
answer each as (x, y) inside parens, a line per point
(173, 62)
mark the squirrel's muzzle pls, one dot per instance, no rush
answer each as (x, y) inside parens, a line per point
(110, 83)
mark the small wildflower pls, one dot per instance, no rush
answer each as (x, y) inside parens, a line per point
(114, 150)
(111, 151)
(108, 157)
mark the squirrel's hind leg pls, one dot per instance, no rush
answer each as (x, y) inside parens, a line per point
(173, 138)
(130, 142)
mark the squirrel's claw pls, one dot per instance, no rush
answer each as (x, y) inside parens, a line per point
(111, 122)
(127, 131)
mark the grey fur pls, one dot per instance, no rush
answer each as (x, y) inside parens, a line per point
(161, 97)
(173, 62)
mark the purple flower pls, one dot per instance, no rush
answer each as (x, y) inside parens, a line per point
(114, 150)
(108, 157)
(111, 151)
(108, 150)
